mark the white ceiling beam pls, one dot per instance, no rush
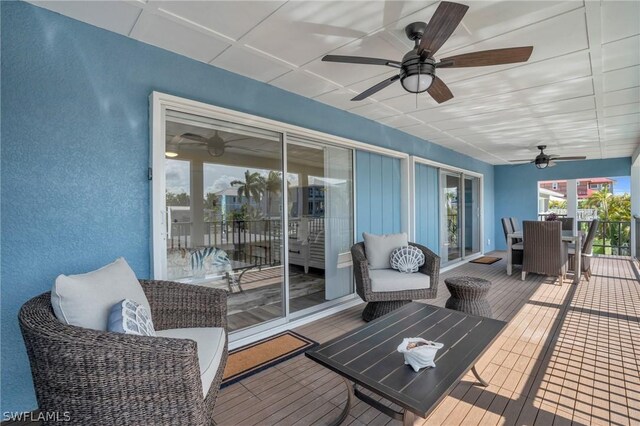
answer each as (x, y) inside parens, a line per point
(593, 14)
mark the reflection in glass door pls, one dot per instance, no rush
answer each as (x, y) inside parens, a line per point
(320, 222)
(471, 215)
(451, 211)
(224, 218)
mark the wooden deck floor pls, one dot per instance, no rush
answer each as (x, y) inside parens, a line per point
(569, 355)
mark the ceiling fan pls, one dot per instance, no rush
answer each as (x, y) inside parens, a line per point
(418, 66)
(215, 144)
(542, 160)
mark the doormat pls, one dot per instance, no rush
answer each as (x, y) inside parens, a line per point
(258, 356)
(486, 260)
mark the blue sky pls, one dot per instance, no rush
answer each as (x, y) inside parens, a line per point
(622, 185)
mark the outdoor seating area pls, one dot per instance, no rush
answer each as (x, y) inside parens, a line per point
(320, 212)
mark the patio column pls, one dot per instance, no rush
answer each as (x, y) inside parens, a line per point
(635, 200)
(572, 201)
(197, 204)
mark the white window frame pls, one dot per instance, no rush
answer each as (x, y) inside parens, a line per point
(159, 103)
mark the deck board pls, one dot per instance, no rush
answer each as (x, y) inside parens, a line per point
(567, 356)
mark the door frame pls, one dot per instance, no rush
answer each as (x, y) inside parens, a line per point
(159, 103)
(413, 161)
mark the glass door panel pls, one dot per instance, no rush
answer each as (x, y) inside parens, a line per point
(320, 230)
(471, 215)
(224, 213)
(452, 216)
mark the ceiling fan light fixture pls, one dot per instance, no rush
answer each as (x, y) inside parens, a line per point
(542, 163)
(416, 83)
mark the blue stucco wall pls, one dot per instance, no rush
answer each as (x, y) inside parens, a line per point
(75, 150)
(516, 187)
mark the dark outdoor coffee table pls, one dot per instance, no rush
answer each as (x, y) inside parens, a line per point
(368, 357)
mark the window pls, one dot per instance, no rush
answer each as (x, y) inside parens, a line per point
(231, 213)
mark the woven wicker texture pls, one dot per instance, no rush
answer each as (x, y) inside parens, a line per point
(393, 299)
(544, 251)
(103, 378)
(468, 295)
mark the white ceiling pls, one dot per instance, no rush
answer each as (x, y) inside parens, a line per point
(579, 93)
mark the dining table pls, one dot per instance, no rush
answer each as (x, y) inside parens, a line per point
(568, 236)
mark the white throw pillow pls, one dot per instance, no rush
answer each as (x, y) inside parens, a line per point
(378, 248)
(407, 259)
(85, 300)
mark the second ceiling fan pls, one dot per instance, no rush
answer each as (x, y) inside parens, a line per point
(418, 66)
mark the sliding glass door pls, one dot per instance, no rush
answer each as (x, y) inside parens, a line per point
(224, 194)
(471, 215)
(274, 233)
(460, 211)
(320, 209)
(452, 216)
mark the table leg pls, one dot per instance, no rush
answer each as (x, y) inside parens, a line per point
(578, 260)
(347, 405)
(408, 418)
(478, 378)
(509, 244)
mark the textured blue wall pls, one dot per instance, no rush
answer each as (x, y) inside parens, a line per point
(378, 189)
(427, 203)
(75, 150)
(516, 187)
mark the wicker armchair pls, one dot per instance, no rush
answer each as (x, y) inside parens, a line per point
(107, 378)
(381, 303)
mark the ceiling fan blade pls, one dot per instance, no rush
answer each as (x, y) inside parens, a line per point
(442, 24)
(568, 158)
(360, 60)
(509, 55)
(439, 91)
(519, 161)
(371, 90)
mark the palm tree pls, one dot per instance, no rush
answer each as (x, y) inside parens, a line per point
(600, 201)
(252, 186)
(272, 185)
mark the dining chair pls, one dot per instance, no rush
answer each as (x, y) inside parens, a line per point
(515, 225)
(587, 251)
(567, 223)
(544, 251)
(516, 247)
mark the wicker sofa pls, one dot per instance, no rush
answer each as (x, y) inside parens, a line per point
(106, 378)
(382, 302)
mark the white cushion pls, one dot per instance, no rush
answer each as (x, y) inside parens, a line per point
(392, 280)
(378, 248)
(210, 342)
(86, 300)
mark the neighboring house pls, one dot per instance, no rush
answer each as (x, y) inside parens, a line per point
(586, 187)
(307, 201)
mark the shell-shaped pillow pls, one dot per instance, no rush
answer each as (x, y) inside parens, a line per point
(129, 317)
(407, 259)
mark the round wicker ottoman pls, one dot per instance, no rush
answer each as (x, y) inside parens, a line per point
(468, 295)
